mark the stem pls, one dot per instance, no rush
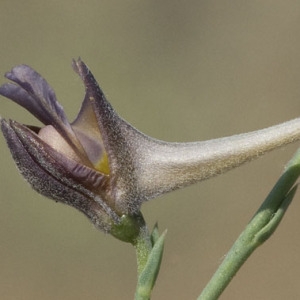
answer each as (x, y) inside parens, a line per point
(143, 248)
(149, 251)
(260, 228)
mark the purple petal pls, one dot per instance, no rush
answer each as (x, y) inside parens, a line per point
(34, 94)
(87, 131)
(107, 120)
(94, 93)
(51, 174)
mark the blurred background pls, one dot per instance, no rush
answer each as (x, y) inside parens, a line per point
(178, 71)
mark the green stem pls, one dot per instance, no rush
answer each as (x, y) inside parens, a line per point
(143, 248)
(260, 228)
(149, 251)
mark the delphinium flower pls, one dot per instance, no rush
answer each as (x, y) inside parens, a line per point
(103, 166)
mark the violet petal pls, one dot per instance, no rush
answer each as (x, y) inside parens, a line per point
(27, 146)
(34, 94)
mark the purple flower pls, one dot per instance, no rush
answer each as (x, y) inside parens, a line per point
(68, 162)
(103, 166)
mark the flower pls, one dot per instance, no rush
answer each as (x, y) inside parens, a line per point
(103, 166)
(68, 161)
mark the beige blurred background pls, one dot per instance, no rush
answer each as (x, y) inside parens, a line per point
(178, 71)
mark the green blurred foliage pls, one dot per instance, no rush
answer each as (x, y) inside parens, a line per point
(179, 71)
